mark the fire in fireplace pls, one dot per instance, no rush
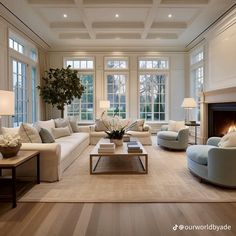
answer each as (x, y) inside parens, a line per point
(221, 119)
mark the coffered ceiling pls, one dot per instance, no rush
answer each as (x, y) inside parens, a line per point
(140, 24)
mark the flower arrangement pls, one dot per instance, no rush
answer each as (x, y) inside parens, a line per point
(9, 140)
(115, 127)
(9, 145)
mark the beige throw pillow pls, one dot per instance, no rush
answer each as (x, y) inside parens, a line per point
(61, 123)
(29, 134)
(176, 126)
(136, 125)
(48, 124)
(12, 131)
(229, 140)
(101, 125)
(73, 124)
(60, 132)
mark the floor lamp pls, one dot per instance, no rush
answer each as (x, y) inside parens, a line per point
(7, 104)
(104, 104)
(188, 104)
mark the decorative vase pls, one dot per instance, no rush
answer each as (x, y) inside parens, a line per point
(8, 152)
(117, 142)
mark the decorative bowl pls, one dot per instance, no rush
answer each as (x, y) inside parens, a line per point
(8, 152)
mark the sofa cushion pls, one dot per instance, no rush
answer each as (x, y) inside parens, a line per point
(73, 124)
(61, 123)
(6, 130)
(199, 153)
(168, 135)
(136, 125)
(29, 134)
(101, 125)
(61, 132)
(48, 124)
(176, 126)
(46, 136)
(138, 133)
(229, 140)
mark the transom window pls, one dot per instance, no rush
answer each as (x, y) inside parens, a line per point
(153, 63)
(116, 63)
(16, 45)
(152, 90)
(81, 63)
(197, 57)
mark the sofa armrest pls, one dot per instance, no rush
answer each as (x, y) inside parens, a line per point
(164, 127)
(92, 128)
(146, 128)
(84, 128)
(213, 141)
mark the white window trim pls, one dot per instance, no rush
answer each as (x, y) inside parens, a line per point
(65, 59)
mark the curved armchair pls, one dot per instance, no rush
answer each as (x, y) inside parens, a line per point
(173, 140)
(212, 163)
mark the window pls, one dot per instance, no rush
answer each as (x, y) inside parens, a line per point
(34, 94)
(33, 55)
(16, 46)
(116, 85)
(81, 63)
(153, 88)
(153, 63)
(116, 63)
(84, 107)
(21, 91)
(197, 78)
(116, 94)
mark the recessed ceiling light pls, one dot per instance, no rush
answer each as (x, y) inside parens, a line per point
(170, 15)
(117, 15)
(65, 15)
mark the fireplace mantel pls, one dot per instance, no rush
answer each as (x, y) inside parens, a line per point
(220, 95)
(215, 96)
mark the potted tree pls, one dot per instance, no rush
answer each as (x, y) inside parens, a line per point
(60, 87)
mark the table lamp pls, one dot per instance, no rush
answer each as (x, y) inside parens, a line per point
(104, 104)
(7, 104)
(188, 104)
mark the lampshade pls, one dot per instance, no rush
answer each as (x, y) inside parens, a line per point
(7, 103)
(105, 104)
(189, 103)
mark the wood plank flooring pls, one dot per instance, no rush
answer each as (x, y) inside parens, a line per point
(118, 219)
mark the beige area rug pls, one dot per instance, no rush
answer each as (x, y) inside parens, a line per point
(168, 180)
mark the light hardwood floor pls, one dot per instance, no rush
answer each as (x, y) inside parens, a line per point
(108, 219)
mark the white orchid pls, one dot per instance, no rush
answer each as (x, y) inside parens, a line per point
(10, 140)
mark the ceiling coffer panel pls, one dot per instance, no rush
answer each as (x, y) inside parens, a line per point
(118, 36)
(74, 36)
(120, 2)
(185, 2)
(50, 2)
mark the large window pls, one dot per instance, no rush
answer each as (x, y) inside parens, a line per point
(24, 79)
(153, 88)
(116, 82)
(83, 108)
(197, 78)
(21, 92)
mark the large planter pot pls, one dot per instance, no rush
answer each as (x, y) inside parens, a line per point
(117, 142)
(8, 152)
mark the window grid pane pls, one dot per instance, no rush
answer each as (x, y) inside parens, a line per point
(81, 64)
(153, 63)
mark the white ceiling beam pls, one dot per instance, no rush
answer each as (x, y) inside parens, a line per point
(150, 18)
(87, 23)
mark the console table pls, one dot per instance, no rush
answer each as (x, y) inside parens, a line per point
(194, 125)
(13, 162)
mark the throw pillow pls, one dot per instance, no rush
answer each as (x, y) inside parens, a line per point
(229, 140)
(12, 131)
(136, 125)
(29, 134)
(176, 126)
(61, 123)
(73, 124)
(48, 124)
(46, 136)
(101, 125)
(61, 132)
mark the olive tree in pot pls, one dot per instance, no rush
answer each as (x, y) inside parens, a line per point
(60, 87)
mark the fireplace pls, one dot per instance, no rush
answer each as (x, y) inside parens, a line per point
(221, 118)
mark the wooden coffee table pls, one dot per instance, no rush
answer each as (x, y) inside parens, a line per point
(120, 151)
(13, 162)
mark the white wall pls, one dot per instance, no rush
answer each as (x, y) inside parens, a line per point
(176, 80)
(221, 50)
